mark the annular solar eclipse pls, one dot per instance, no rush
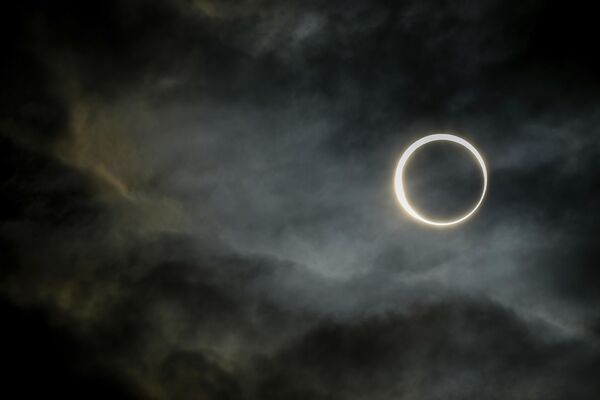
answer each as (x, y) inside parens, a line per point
(401, 187)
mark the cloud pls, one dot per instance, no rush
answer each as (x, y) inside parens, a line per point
(197, 202)
(454, 350)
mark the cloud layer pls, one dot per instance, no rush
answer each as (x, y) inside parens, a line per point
(197, 200)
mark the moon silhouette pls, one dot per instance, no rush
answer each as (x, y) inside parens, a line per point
(399, 178)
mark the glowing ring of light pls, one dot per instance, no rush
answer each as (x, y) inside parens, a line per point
(399, 178)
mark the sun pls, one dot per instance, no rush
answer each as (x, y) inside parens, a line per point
(399, 178)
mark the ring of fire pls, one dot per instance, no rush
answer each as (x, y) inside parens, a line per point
(399, 178)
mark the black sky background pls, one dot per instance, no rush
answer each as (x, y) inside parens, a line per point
(197, 200)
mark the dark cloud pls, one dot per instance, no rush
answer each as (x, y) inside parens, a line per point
(42, 357)
(197, 203)
(457, 350)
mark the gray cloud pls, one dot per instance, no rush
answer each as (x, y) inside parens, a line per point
(198, 202)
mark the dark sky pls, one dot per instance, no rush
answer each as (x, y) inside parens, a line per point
(197, 200)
